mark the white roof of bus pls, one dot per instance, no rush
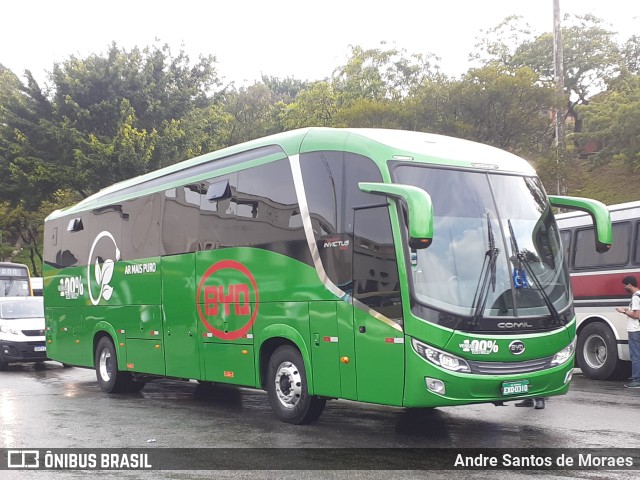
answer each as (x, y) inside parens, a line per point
(619, 211)
(450, 148)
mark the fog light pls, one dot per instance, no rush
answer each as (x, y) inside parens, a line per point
(434, 385)
(568, 376)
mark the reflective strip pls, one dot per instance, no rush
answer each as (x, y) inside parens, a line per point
(120, 331)
(208, 334)
(298, 183)
(155, 332)
(331, 339)
(394, 340)
(248, 335)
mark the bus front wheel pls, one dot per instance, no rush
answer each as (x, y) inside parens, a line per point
(598, 352)
(111, 380)
(287, 388)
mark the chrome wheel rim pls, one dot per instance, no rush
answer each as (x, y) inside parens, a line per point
(105, 365)
(595, 351)
(288, 383)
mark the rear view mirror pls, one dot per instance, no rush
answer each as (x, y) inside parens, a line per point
(419, 208)
(599, 213)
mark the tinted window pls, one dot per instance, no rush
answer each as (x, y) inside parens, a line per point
(331, 185)
(181, 219)
(586, 255)
(636, 255)
(375, 271)
(141, 233)
(202, 168)
(259, 209)
(218, 228)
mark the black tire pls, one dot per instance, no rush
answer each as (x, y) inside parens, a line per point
(287, 388)
(111, 380)
(3, 363)
(597, 352)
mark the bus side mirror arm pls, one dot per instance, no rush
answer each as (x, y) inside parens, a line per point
(599, 214)
(419, 207)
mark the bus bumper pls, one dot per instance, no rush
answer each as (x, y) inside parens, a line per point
(427, 385)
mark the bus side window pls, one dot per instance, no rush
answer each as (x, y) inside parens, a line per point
(375, 269)
(636, 253)
(618, 255)
(331, 183)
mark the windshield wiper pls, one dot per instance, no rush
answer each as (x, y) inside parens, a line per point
(522, 260)
(487, 277)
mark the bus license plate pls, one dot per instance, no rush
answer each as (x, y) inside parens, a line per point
(515, 388)
(42, 348)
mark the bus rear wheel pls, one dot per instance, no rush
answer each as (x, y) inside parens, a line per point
(598, 352)
(287, 388)
(110, 379)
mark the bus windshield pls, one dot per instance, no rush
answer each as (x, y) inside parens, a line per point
(496, 251)
(14, 280)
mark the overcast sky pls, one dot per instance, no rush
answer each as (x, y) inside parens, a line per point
(281, 38)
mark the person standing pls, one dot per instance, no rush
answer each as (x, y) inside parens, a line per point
(633, 328)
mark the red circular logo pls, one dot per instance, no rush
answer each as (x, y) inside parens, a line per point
(220, 294)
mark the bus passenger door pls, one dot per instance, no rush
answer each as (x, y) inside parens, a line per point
(179, 316)
(377, 309)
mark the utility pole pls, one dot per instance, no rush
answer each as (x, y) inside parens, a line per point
(559, 107)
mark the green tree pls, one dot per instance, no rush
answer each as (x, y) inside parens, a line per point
(367, 113)
(432, 107)
(613, 119)
(30, 154)
(503, 107)
(104, 119)
(380, 74)
(591, 55)
(111, 109)
(251, 111)
(313, 107)
(284, 90)
(631, 54)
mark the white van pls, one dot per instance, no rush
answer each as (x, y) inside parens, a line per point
(22, 330)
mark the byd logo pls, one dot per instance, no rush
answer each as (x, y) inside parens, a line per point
(219, 294)
(238, 296)
(516, 347)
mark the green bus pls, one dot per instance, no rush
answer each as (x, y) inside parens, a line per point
(383, 266)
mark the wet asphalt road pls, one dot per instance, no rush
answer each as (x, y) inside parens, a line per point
(50, 406)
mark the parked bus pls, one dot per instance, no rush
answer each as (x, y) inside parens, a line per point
(298, 263)
(14, 280)
(603, 345)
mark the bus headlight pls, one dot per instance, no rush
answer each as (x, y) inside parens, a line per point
(440, 358)
(564, 355)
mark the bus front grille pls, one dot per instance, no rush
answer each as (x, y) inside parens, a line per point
(510, 368)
